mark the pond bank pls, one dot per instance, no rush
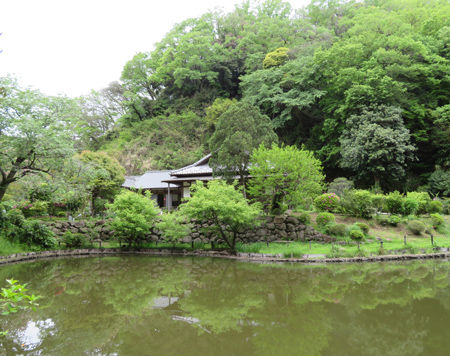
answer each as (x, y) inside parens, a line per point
(221, 254)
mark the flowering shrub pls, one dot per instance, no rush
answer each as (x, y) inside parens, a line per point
(327, 202)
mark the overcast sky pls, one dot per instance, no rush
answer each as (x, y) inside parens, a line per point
(72, 46)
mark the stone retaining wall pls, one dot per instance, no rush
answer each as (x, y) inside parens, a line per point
(272, 228)
(20, 257)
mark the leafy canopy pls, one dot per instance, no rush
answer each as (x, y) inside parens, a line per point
(284, 176)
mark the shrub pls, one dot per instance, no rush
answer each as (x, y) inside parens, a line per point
(358, 203)
(337, 230)
(446, 206)
(38, 234)
(410, 206)
(324, 219)
(422, 198)
(364, 227)
(40, 192)
(15, 217)
(435, 206)
(327, 202)
(378, 201)
(394, 203)
(416, 227)
(339, 186)
(382, 219)
(173, 227)
(439, 182)
(304, 218)
(73, 240)
(437, 220)
(356, 234)
(133, 216)
(394, 220)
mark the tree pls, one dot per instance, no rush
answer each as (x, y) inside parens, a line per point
(36, 132)
(224, 206)
(376, 143)
(173, 227)
(106, 175)
(134, 215)
(284, 176)
(239, 130)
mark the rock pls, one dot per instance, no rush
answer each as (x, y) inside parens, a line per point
(292, 220)
(270, 226)
(278, 219)
(290, 227)
(99, 222)
(283, 234)
(262, 232)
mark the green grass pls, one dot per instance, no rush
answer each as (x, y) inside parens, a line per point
(9, 248)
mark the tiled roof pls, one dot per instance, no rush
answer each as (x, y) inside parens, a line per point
(149, 180)
(199, 167)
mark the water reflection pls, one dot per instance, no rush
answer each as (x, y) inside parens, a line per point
(184, 306)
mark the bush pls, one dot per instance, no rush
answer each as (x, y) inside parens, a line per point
(437, 220)
(304, 218)
(327, 202)
(337, 230)
(73, 240)
(15, 217)
(364, 227)
(446, 206)
(358, 203)
(416, 227)
(38, 234)
(324, 219)
(394, 220)
(378, 201)
(339, 186)
(435, 206)
(38, 208)
(173, 227)
(439, 182)
(133, 216)
(382, 219)
(422, 198)
(410, 206)
(356, 234)
(394, 203)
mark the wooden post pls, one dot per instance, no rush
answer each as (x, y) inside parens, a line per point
(404, 238)
(310, 244)
(169, 200)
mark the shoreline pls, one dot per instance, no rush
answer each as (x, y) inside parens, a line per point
(250, 257)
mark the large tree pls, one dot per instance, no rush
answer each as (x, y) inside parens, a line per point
(240, 130)
(36, 132)
(376, 143)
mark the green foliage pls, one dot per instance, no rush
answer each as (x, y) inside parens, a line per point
(327, 202)
(356, 235)
(134, 215)
(439, 183)
(15, 297)
(394, 203)
(358, 203)
(364, 227)
(222, 205)
(36, 233)
(437, 220)
(337, 230)
(435, 206)
(217, 108)
(35, 132)
(323, 219)
(284, 175)
(276, 58)
(394, 220)
(107, 175)
(240, 129)
(416, 227)
(340, 185)
(422, 198)
(42, 192)
(173, 227)
(410, 206)
(378, 201)
(376, 143)
(72, 240)
(304, 218)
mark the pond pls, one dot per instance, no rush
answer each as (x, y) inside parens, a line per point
(140, 305)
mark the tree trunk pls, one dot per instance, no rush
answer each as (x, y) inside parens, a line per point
(243, 185)
(3, 188)
(376, 180)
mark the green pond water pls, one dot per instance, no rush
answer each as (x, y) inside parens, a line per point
(140, 305)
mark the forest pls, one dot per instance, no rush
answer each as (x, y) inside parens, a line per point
(364, 85)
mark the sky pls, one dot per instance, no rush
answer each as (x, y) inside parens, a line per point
(70, 47)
